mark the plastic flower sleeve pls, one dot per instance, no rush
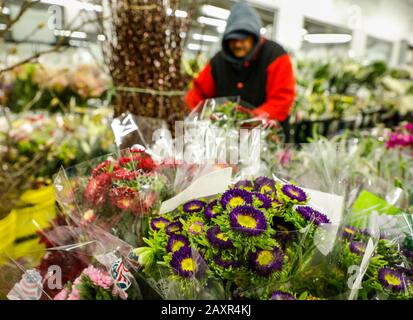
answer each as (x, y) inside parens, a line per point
(255, 234)
(86, 265)
(114, 192)
(130, 130)
(370, 256)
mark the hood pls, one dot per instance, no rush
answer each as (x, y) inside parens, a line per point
(246, 19)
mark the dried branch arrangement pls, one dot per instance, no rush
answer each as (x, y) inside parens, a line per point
(143, 51)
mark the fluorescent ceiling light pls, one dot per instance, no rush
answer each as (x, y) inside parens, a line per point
(319, 38)
(181, 14)
(78, 34)
(205, 37)
(77, 43)
(212, 22)
(5, 11)
(178, 13)
(80, 5)
(215, 12)
(196, 47)
(68, 33)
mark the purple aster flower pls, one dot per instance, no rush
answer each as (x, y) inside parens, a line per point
(365, 232)
(264, 200)
(248, 220)
(196, 227)
(194, 206)
(294, 193)
(282, 295)
(176, 242)
(265, 262)
(264, 185)
(244, 184)
(312, 215)
(159, 223)
(235, 198)
(224, 263)
(392, 279)
(217, 238)
(183, 262)
(357, 247)
(173, 228)
(210, 211)
(349, 232)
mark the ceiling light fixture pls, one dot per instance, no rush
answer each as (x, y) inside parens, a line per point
(327, 38)
(215, 12)
(205, 37)
(212, 22)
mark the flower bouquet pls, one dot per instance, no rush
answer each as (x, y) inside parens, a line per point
(253, 239)
(78, 263)
(116, 193)
(371, 258)
(401, 138)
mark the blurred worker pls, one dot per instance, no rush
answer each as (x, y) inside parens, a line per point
(250, 66)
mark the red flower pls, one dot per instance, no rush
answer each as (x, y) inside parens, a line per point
(101, 168)
(146, 164)
(124, 160)
(96, 189)
(137, 150)
(125, 198)
(122, 174)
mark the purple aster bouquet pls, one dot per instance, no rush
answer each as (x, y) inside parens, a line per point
(248, 242)
(367, 264)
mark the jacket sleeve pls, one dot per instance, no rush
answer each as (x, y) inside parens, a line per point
(203, 87)
(280, 90)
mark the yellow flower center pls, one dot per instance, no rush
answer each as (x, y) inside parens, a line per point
(125, 202)
(88, 215)
(160, 224)
(193, 207)
(188, 264)
(236, 202)
(348, 230)
(173, 229)
(266, 188)
(196, 228)
(294, 193)
(222, 237)
(177, 245)
(265, 257)
(247, 221)
(392, 279)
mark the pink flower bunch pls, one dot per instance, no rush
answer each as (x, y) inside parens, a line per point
(401, 138)
(99, 277)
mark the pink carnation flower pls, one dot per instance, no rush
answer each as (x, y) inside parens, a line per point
(74, 295)
(62, 295)
(99, 277)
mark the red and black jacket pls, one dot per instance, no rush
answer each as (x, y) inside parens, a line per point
(266, 81)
